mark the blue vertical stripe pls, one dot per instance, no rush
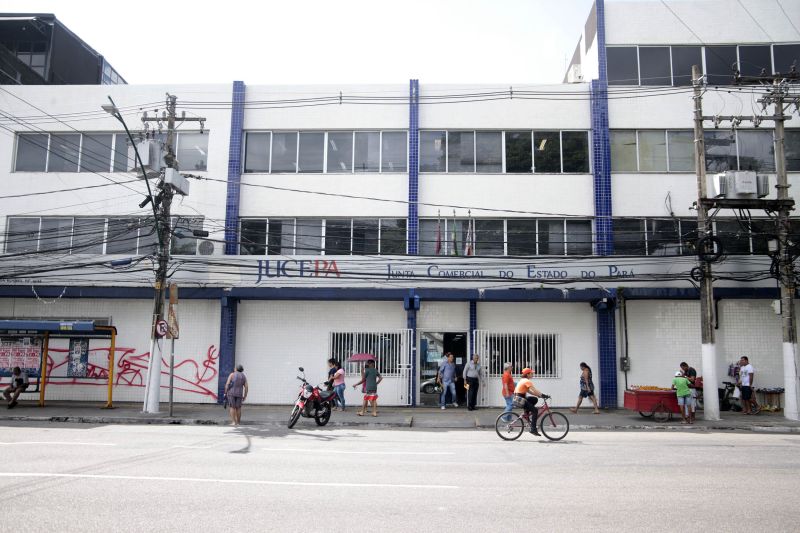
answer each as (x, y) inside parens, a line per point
(607, 354)
(227, 343)
(473, 325)
(413, 167)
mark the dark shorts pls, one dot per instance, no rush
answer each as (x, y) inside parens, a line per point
(235, 402)
(747, 392)
(587, 393)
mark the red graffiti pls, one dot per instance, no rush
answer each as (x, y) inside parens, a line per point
(131, 369)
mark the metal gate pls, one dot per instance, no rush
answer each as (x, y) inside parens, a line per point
(392, 351)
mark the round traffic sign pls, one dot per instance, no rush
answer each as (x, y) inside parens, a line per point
(161, 328)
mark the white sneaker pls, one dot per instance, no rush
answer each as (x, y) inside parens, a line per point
(455, 405)
(443, 407)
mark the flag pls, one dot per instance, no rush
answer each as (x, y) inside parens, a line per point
(469, 242)
(439, 237)
(454, 236)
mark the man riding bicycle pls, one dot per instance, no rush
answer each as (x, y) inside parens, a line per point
(525, 396)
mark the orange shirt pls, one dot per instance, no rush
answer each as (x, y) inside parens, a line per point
(508, 384)
(523, 386)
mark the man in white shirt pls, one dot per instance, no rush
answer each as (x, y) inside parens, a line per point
(19, 382)
(746, 380)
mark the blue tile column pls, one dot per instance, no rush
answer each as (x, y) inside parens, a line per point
(607, 353)
(413, 168)
(229, 306)
(473, 325)
(411, 305)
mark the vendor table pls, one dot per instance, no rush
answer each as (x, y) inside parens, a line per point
(659, 404)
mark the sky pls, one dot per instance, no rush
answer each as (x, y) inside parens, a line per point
(316, 41)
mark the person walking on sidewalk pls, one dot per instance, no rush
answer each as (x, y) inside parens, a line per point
(370, 378)
(447, 378)
(338, 384)
(681, 387)
(19, 382)
(472, 377)
(236, 393)
(587, 389)
(508, 386)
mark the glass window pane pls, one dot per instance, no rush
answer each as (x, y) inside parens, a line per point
(681, 151)
(683, 57)
(31, 152)
(755, 59)
(629, 237)
(720, 62)
(309, 237)
(720, 150)
(337, 237)
(547, 151)
(623, 65)
(284, 151)
(786, 55)
(96, 153)
(64, 149)
(123, 156)
(280, 237)
(365, 236)
(663, 237)
(654, 65)
(393, 236)
(367, 151)
(148, 239)
(652, 151)
(551, 237)
(521, 237)
(623, 151)
(519, 158)
(575, 150)
(756, 150)
(340, 151)
(123, 234)
(312, 152)
(432, 151)
(579, 237)
(88, 235)
(432, 234)
(735, 238)
(688, 236)
(192, 151)
(23, 234)
(791, 147)
(762, 232)
(56, 234)
(489, 237)
(253, 239)
(489, 151)
(460, 151)
(256, 152)
(394, 146)
(183, 241)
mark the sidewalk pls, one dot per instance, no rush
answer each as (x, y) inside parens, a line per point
(389, 417)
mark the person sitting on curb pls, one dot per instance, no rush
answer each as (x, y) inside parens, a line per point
(19, 382)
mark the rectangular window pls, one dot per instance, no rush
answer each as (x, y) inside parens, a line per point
(64, 152)
(683, 57)
(432, 235)
(489, 237)
(762, 232)
(579, 237)
(720, 150)
(88, 235)
(340, 151)
(735, 238)
(284, 151)
(652, 151)
(337, 237)
(681, 151)
(551, 237)
(629, 237)
(755, 59)
(538, 351)
(756, 150)
(688, 236)
(31, 152)
(489, 151)
(123, 234)
(256, 152)
(183, 241)
(519, 156)
(623, 65)
(312, 152)
(56, 234)
(791, 143)
(96, 153)
(280, 237)
(123, 156)
(547, 151)
(623, 151)
(460, 151)
(389, 348)
(521, 237)
(394, 148)
(664, 237)
(393, 236)
(148, 239)
(785, 55)
(308, 239)
(719, 64)
(366, 238)
(192, 151)
(23, 234)
(654, 65)
(575, 150)
(367, 151)
(253, 237)
(432, 149)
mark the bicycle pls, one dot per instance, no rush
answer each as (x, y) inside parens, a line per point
(553, 425)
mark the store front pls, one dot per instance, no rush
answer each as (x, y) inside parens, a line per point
(433, 345)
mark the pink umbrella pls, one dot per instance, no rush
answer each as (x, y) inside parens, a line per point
(361, 357)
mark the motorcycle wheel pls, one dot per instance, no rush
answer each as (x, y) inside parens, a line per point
(429, 389)
(294, 416)
(323, 415)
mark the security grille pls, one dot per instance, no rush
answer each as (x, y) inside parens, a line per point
(539, 351)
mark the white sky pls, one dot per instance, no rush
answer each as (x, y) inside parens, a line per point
(319, 41)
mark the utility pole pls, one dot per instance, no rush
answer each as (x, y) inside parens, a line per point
(709, 348)
(164, 229)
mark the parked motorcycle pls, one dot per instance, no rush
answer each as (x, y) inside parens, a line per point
(312, 402)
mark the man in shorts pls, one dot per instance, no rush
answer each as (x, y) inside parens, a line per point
(746, 378)
(681, 387)
(691, 374)
(19, 382)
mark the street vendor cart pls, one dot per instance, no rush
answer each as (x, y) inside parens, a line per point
(658, 404)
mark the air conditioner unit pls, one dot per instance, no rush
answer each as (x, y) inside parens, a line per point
(740, 185)
(574, 75)
(152, 158)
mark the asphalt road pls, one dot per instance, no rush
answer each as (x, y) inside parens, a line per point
(61, 477)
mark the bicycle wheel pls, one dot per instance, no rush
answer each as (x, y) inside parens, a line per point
(661, 413)
(509, 426)
(554, 426)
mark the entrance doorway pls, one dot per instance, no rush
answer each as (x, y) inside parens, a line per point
(432, 347)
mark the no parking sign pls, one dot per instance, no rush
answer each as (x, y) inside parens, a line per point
(161, 328)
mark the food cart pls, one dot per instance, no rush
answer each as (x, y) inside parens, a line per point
(657, 403)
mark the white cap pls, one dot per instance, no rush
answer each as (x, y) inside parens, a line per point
(678, 374)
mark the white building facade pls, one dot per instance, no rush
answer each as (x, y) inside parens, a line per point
(542, 225)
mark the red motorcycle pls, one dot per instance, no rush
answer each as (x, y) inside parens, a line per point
(312, 402)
